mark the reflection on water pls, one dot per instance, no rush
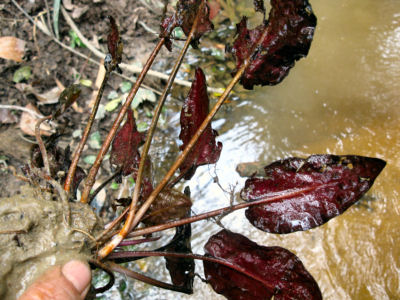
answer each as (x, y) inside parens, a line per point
(343, 99)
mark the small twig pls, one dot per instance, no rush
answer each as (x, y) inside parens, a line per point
(130, 223)
(48, 17)
(85, 233)
(13, 231)
(103, 184)
(117, 268)
(41, 144)
(106, 269)
(16, 107)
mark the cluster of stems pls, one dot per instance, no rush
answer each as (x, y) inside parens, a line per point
(132, 214)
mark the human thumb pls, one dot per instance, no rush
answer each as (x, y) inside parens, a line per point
(68, 282)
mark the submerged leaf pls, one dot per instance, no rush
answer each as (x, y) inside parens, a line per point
(333, 184)
(274, 46)
(186, 12)
(194, 111)
(124, 152)
(67, 98)
(181, 270)
(268, 271)
(170, 205)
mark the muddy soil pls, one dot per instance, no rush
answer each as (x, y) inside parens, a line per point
(38, 230)
(50, 62)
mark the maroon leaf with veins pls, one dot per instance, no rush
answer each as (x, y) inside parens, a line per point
(274, 46)
(124, 152)
(194, 111)
(186, 12)
(268, 271)
(181, 270)
(335, 183)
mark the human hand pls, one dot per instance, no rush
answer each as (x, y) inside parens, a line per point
(68, 282)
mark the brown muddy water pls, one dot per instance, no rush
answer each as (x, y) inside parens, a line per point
(342, 99)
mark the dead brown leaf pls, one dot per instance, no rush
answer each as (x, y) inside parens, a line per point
(28, 121)
(12, 48)
(6, 117)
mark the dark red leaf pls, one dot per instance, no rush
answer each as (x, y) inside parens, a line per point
(186, 12)
(194, 111)
(280, 273)
(124, 152)
(114, 44)
(334, 182)
(170, 205)
(181, 270)
(66, 99)
(288, 35)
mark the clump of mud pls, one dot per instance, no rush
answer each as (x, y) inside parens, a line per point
(35, 234)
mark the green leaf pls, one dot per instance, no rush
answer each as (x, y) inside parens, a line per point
(101, 112)
(112, 105)
(178, 33)
(56, 12)
(114, 186)
(142, 126)
(86, 82)
(75, 40)
(125, 86)
(89, 159)
(77, 133)
(142, 95)
(112, 95)
(23, 73)
(95, 140)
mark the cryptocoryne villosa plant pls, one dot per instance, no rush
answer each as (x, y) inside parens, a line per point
(294, 194)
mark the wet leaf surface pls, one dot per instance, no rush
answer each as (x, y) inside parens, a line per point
(194, 111)
(186, 12)
(334, 184)
(288, 35)
(66, 99)
(271, 271)
(124, 152)
(181, 270)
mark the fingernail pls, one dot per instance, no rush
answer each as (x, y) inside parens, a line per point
(78, 273)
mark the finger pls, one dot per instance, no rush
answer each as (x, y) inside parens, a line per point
(70, 282)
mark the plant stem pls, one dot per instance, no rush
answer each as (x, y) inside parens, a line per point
(101, 186)
(125, 254)
(117, 268)
(79, 149)
(130, 223)
(217, 212)
(42, 147)
(181, 158)
(111, 134)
